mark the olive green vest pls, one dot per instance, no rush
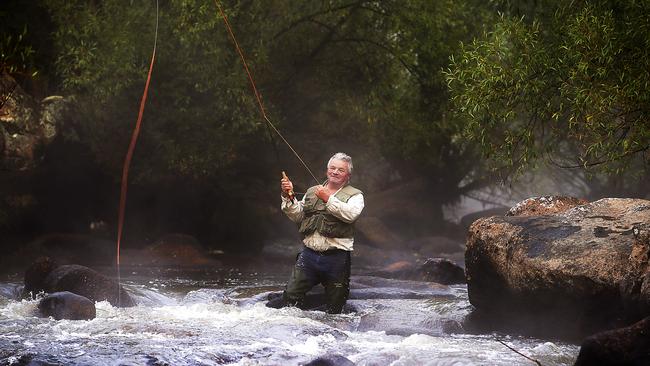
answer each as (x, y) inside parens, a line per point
(318, 219)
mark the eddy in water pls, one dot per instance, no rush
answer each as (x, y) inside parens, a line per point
(325, 218)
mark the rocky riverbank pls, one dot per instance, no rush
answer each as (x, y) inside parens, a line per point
(562, 267)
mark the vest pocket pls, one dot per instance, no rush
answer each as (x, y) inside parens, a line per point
(330, 228)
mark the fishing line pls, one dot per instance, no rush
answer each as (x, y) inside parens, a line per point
(129, 156)
(258, 96)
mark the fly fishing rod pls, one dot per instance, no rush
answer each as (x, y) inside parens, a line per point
(258, 96)
(129, 157)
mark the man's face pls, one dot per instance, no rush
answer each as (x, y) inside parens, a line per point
(338, 172)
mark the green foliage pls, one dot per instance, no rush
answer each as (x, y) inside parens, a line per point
(16, 57)
(199, 108)
(416, 129)
(25, 45)
(363, 77)
(572, 86)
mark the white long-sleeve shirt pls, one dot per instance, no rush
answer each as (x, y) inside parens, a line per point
(345, 211)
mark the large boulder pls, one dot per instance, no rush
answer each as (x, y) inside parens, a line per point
(47, 277)
(625, 346)
(66, 305)
(578, 271)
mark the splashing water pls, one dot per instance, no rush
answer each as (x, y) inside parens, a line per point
(186, 321)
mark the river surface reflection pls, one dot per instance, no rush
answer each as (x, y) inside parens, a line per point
(219, 318)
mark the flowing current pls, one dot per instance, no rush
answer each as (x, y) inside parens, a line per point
(220, 318)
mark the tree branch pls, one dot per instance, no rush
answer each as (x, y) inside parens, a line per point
(310, 17)
(600, 161)
(408, 67)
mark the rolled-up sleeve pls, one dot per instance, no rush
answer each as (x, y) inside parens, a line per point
(293, 209)
(346, 211)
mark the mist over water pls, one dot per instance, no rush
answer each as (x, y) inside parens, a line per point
(185, 320)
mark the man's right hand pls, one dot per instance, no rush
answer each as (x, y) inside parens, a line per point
(286, 186)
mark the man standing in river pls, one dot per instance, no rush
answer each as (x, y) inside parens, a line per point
(325, 218)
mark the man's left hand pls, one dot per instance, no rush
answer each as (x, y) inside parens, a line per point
(321, 193)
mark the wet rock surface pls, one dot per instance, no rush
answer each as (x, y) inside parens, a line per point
(625, 346)
(545, 205)
(442, 271)
(66, 305)
(46, 276)
(439, 270)
(330, 360)
(571, 273)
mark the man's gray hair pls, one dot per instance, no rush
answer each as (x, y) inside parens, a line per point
(342, 156)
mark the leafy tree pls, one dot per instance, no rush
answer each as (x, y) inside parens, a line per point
(198, 112)
(16, 56)
(569, 85)
(25, 45)
(417, 130)
(381, 64)
(363, 77)
(331, 72)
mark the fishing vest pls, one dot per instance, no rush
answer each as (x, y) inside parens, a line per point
(318, 219)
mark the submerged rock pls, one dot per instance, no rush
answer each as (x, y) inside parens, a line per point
(574, 272)
(439, 270)
(330, 360)
(45, 275)
(400, 317)
(32, 360)
(442, 271)
(624, 346)
(66, 305)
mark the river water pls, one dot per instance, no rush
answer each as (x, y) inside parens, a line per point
(219, 318)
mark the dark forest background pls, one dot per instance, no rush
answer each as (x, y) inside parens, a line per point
(458, 98)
